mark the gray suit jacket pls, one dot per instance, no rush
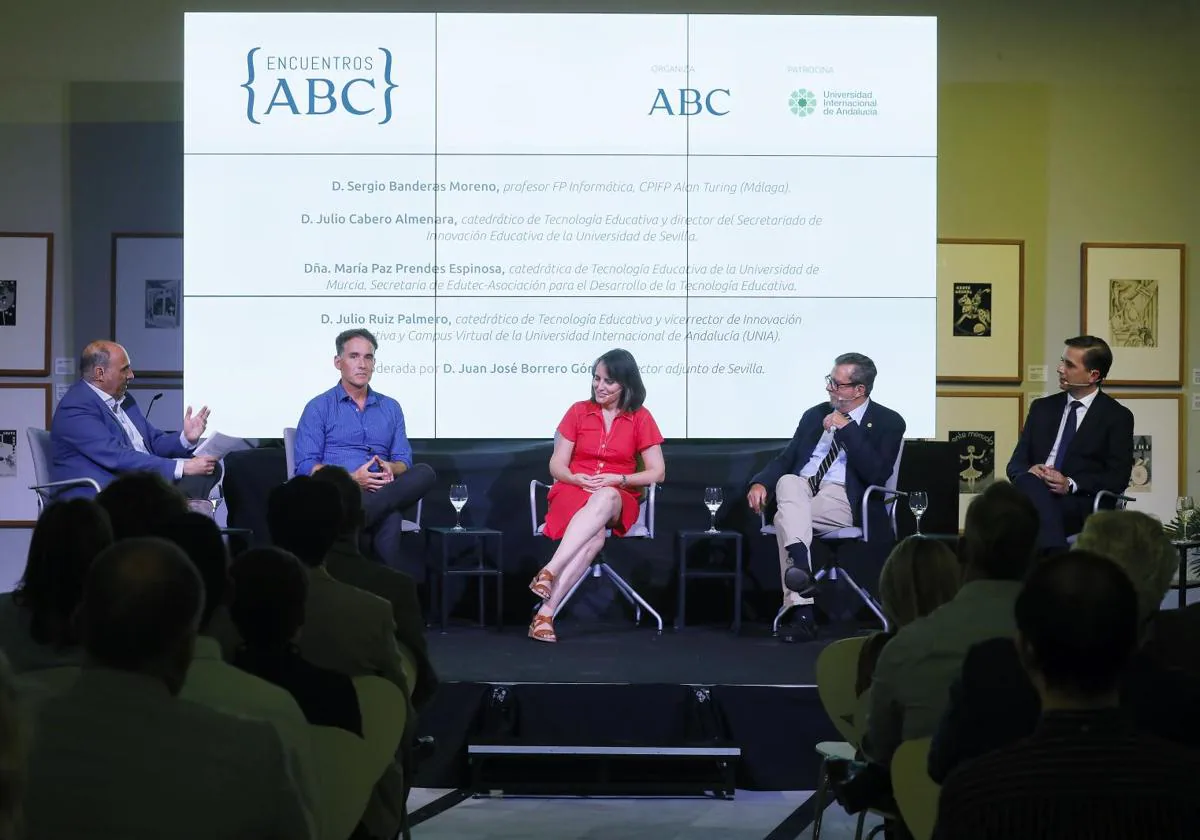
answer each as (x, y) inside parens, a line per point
(116, 756)
(353, 632)
(350, 631)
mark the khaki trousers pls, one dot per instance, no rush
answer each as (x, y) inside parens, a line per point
(799, 513)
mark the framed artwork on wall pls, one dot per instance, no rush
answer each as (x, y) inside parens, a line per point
(1159, 453)
(147, 300)
(21, 406)
(26, 289)
(1134, 297)
(980, 300)
(984, 427)
(166, 412)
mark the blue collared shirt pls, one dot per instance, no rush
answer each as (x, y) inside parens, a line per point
(333, 431)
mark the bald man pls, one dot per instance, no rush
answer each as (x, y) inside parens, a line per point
(99, 431)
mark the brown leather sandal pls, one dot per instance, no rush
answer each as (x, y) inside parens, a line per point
(541, 629)
(541, 585)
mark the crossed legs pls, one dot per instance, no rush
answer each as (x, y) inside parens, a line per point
(798, 513)
(581, 542)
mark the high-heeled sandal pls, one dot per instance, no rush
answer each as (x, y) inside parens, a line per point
(541, 629)
(541, 584)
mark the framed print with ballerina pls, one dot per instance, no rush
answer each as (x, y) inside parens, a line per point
(1134, 297)
(984, 427)
(980, 298)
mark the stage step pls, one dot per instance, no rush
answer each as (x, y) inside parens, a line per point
(604, 769)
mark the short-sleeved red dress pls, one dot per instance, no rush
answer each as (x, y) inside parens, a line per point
(631, 433)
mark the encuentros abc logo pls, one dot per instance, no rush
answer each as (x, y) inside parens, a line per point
(802, 102)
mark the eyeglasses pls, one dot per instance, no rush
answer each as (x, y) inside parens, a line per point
(834, 385)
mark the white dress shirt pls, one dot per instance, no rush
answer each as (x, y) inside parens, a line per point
(1062, 424)
(131, 431)
(837, 470)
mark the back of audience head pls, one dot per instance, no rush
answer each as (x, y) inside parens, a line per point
(141, 607)
(200, 538)
(66, 540)
(14, 750)
(351, 495)
(1077, 624)
(1134, 541)
(919, 576)
(270, 587)
(999, 535)
(304, 517)
(136, 502)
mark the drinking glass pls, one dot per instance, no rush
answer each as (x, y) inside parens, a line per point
(458, 498)
(713, 498)
(1185, 506)
(918, 503)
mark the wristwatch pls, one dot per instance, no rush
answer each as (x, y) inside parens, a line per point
(624, 481)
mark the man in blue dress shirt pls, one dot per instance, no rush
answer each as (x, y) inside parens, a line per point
(357, 428)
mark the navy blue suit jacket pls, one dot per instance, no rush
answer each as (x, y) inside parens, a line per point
(87, 441)
(871, 451)
(1100, 456)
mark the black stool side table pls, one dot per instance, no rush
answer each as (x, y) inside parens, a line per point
(1183, 546)
(683, 538)
(480, 569)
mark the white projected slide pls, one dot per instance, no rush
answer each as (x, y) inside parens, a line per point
(502, 198)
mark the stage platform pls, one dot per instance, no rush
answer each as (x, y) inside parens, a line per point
(620, 688)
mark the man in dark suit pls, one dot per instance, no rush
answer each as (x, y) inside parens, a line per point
(99, 432)
(840, 447)
(1074, 444)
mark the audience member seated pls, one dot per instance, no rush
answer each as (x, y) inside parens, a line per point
(913, 675)
(269, 590)
(918, 576)
(137, 502)
(993, 703)
(215, 683)
(14, 753)
(345, 629)
(347, 564)
(120, 755)
(36, 629)
(1085, 772)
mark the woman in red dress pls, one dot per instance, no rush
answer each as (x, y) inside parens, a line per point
(597, 483)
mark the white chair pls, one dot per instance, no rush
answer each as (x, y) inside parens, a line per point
(852, 533)
(407, 526)
(915, 793)
(347, 776)
(643, 528)
(40, 446)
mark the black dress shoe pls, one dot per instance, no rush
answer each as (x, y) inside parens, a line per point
(799, 625)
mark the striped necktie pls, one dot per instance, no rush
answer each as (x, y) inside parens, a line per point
(814, 482)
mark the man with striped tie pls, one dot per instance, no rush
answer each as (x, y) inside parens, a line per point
(841, 447)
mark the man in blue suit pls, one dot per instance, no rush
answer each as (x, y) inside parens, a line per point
(99, 432)
(841, 447)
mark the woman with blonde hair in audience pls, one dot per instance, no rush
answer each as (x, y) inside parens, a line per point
(36, 629)
(918, 576)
